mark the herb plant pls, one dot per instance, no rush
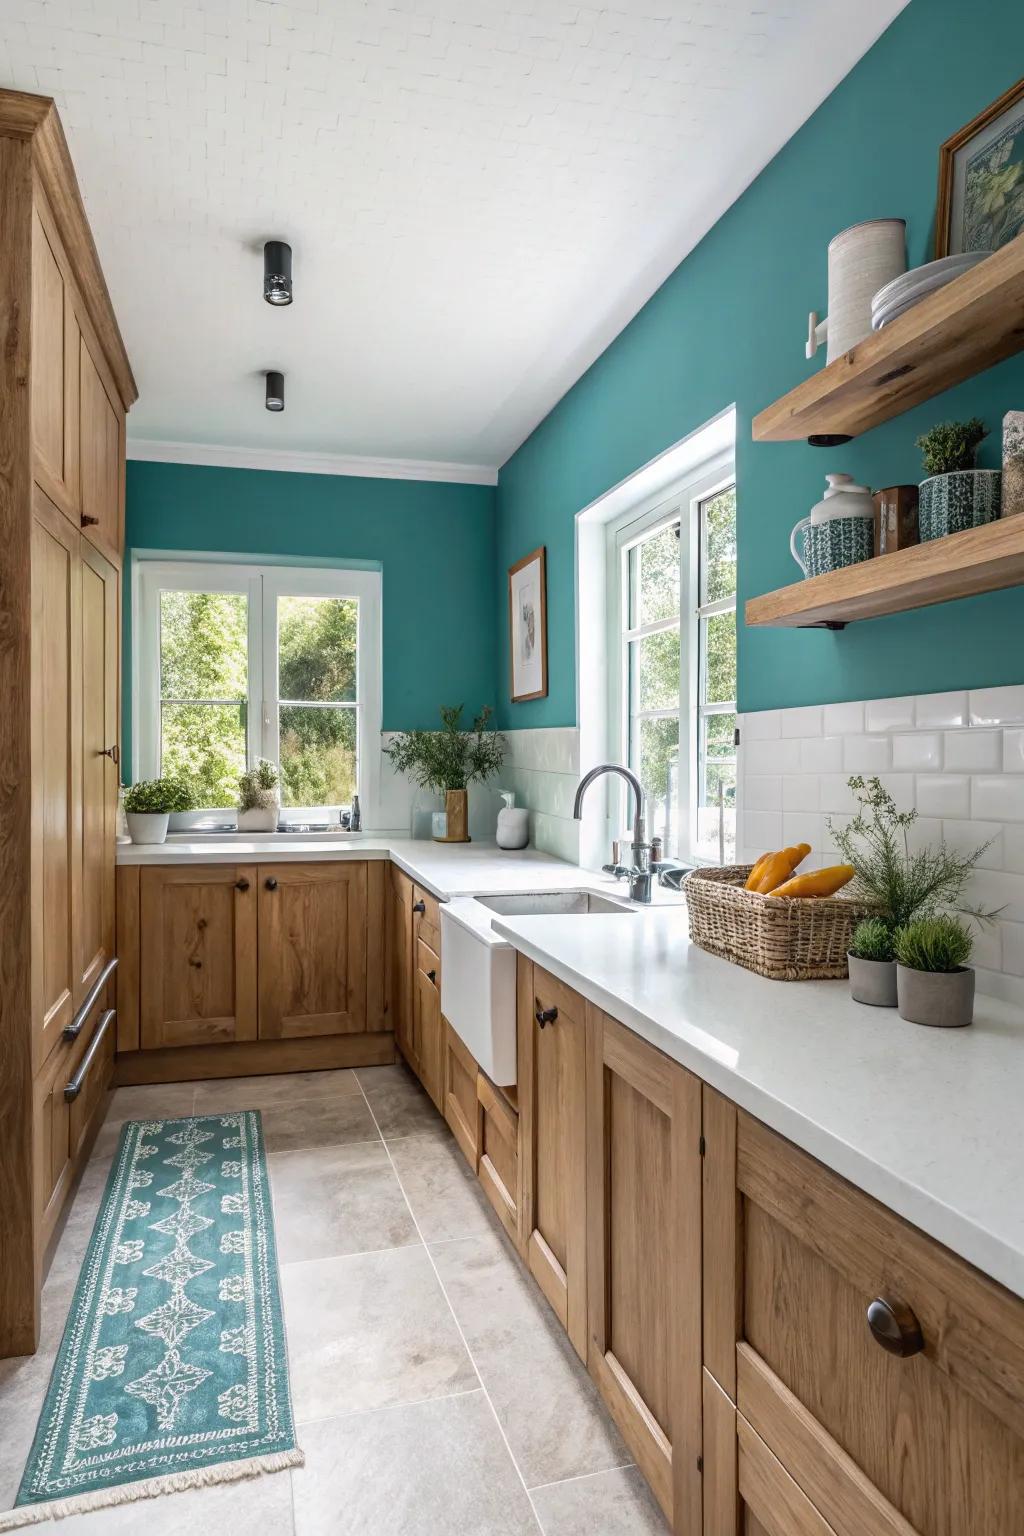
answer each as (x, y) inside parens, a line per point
(257, 787)
(151, 797)
(872, 940)
(181, 795)
(934, 944)
(450, 758)
(902, 883)
(951, 445)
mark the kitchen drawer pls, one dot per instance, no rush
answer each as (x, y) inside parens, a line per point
(498, 1168)
(461, 1105)
(426, 919)
(429, 962)
(930, 1441)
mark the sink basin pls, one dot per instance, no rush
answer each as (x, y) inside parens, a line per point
(552, 903)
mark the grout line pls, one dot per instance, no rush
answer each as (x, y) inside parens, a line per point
(412, 1402)
(363, 1253)
(581, 1477)
(461, 1333)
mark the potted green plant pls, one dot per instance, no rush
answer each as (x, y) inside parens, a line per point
(873, 964)
(259, 798)
(448, 761)
(956, 495)
(147, 806)
(934, 983)
(182, 801)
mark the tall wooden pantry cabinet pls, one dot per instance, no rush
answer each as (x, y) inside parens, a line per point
(65, 386)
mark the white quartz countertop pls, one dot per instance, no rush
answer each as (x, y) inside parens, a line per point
(928, 1121)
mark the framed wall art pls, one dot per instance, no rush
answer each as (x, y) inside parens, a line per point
(528, 626)
(981, 179)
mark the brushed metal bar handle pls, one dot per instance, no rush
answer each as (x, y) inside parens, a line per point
(895, 1327)
(74, 1029)
(74, 1088)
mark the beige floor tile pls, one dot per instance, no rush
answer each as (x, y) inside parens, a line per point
(322, 1123)
(617, 1503)
(253, 1504)
(560, 1428)
(335, 1200)
(446, 1199)
(151, 1101)
(429, 1469)
(400, 1106)
(216, 1094)
(369, 1331)
(106, 1143)
(23, 1384)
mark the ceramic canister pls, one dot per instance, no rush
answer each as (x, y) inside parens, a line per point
(861, 260)
(839, 531)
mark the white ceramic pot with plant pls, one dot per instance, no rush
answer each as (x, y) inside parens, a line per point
(147, 806)
(448, 761)
(935, 985)
(872, 964)
(259, 798)
(956, 496)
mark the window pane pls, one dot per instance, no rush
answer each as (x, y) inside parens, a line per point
(718, 577)
(318, 755)
(718, 658)
(316, 641)
(716, 809)
(658, 770)
(654, 578)
(655, 680)
(204, 651)
(204, 744)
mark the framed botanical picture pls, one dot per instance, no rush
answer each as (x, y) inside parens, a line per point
(981, 180)
(528, 627)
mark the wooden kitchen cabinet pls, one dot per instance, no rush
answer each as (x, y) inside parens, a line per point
(429, 1030)
(643, 1217)
(461, 1100)
(400, 963)
(55, 364)
(312, 949)
(197, 957)
(499, 1164)
(100, 451)
(925, 1442)
(552, 1110)
(96, 825)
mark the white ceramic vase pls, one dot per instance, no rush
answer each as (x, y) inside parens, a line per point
(263, 819)
(861, 260)
(147, 826)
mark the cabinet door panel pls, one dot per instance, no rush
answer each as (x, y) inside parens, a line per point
(312, 949)
(49, 357)
(400, 960)
(100, 585)
(429, 1028)
(56, 734)
(499, 1162)
(100, 457)
(461, 1104)
(198, 955)
(644, 1257)
(552, 1089)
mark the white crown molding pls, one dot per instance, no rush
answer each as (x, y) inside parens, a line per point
(310, 463)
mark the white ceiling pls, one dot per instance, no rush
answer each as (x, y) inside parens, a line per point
(479, 194)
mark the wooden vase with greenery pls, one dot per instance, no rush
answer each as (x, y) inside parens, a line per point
(447, 761)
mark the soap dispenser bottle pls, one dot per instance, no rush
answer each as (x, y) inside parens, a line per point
(513, 822)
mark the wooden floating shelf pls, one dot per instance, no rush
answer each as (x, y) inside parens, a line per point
(972, 323)
(960, 565)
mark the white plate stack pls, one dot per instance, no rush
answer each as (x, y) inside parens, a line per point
(911, 287)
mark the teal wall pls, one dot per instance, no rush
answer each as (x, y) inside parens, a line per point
(434, 544)
(729, 326)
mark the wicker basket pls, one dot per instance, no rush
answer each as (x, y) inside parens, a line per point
(788, 939)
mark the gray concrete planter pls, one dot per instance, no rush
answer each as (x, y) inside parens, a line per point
(873, 981)
(944, 999)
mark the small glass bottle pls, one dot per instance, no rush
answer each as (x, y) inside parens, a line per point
(355, 821)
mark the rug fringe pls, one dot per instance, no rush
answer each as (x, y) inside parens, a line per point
(150, 1488)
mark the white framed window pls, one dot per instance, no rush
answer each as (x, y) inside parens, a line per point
(672, 653)
(236, 662)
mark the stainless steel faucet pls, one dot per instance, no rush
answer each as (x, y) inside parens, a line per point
(639, 873)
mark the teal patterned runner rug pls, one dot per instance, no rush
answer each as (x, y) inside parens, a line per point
(172, 1372)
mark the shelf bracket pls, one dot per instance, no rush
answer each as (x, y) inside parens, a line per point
(824, 624)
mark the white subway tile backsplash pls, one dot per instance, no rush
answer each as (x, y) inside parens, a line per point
(973, 751)
(762, 792)
(993, 890)
(802, 827)
(1013, 849)
(901, 787)
(802, 721)
(925, 832)
(1013, 751)
(821, 754)
(944, 794)
(889, 714)
(968, 836)
(867, 754)
(1012, 948)
(800, 792)
(917, 752)
(843, 719)
(998, 797)
(940, 711)
(834, 794)
(771, 756)
(764, 725)
(762, 830)
(997, 706)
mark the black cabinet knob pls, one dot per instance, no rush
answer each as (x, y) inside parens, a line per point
(431, 975)
(241, 885)
(271, 884)
(419, 906)
(545, 1015)
(894, 1326)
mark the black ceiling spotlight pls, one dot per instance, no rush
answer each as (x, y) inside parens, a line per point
(277, 272)
(275, 391)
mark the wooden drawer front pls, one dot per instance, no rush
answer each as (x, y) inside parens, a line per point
(498, 1168)
(429, 1031)
(426, 922)
(52, 1150)
(461, 1105)
(773, 1504)
(429, 962)
(939, 1435)
(90, 1104)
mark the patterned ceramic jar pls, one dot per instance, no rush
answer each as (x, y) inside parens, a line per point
(841, 541)
(966, 498)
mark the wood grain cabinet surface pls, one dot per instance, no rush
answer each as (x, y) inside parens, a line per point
(429, 1030)
(399, 957)
(461, 1097)
(312, 949)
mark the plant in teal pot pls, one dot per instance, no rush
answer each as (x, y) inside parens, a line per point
(956, 496)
